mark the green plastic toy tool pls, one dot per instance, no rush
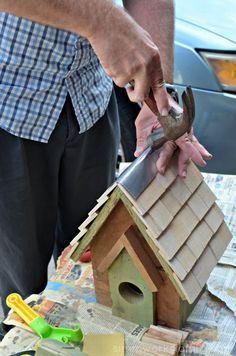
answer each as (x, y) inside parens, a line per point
(39, 324)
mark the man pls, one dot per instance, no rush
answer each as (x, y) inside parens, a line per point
(59, 130)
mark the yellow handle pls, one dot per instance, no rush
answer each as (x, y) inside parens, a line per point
(15, 302)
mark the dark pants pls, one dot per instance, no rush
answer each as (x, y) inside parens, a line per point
(46, 191)
(128, 112)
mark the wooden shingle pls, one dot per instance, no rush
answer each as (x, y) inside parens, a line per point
(148, 198)
(204, 192)
(199, 239)
(172, 239)
(178, 268)
(78, 236)
(180, 191)
(186, 258)
(171, 203)
(178, 232)
(214, 217)
(88, 221)
(160, 213)
(193, 178)
(107, 192)
(98, 206)
(187, 218)
(220, 240)
(204, 266)
(153, 226)
(190, 286)
(168, 178)
(198, 206)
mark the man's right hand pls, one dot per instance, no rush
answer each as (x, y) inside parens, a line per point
(127, 54)
(126, 51)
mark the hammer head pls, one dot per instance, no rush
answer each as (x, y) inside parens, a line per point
(176, 123)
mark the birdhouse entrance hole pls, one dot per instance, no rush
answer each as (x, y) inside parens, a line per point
(130, 292)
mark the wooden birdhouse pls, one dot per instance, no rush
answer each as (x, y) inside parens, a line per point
(152, 256)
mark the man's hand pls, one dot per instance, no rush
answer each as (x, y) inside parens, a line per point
(189, 147)
(125, 50)
(128, 54)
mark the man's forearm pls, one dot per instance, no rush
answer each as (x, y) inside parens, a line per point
(80, 16)
(126, 52)
(157, 18)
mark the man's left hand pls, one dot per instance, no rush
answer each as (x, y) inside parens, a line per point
(189, 146)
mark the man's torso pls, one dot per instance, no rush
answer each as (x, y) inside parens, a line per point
(39, 66)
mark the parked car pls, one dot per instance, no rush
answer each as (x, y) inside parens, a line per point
(205, 58)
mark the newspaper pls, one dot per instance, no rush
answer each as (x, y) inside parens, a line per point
(222, 283)
(72, 282)
(92, 317)
(229, 256)
(63, 305)
(211, 325)
(212, 329)
(17, 340)
(96, 318)
(224, 187)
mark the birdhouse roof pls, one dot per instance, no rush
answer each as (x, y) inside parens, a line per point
(180, 221)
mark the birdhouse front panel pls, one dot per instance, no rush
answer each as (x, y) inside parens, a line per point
(131, 297)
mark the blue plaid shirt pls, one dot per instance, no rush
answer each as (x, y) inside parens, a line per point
(39, 66)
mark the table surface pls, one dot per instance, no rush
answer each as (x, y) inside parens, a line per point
(69, 297)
